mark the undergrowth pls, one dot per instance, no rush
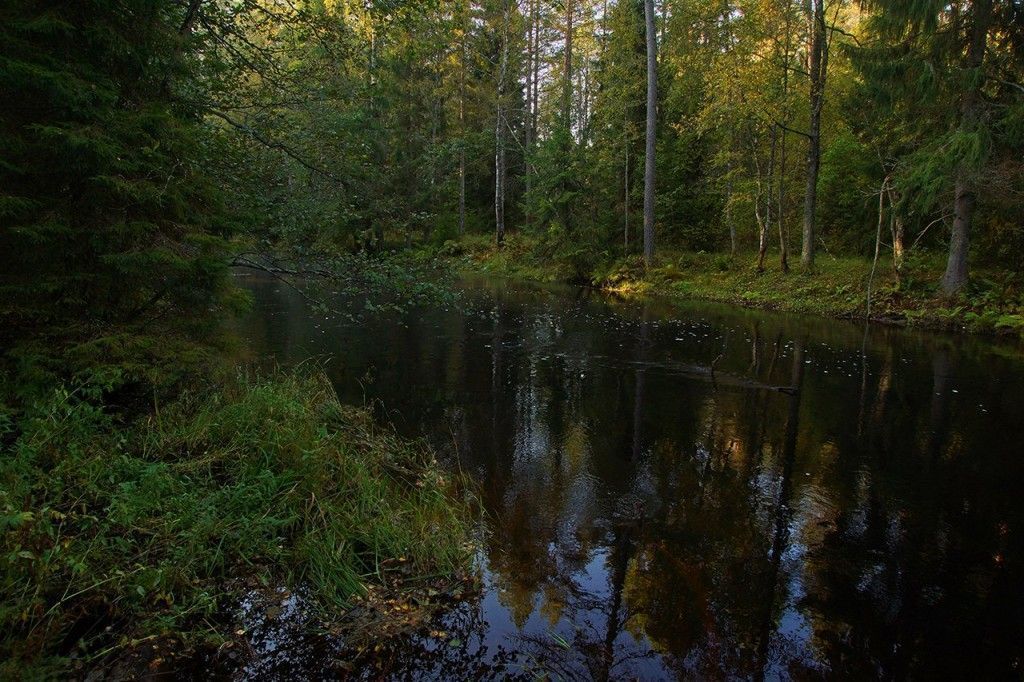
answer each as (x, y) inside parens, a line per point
(992, 303)
(114, 532)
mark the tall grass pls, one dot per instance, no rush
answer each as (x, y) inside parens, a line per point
(141, 527)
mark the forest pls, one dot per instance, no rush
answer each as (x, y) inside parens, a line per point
(855, 159)
(140, 139)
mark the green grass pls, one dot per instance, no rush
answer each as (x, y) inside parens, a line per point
(143, 526)
(993, 303)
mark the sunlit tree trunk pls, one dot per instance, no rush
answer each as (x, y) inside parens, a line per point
(898, 232)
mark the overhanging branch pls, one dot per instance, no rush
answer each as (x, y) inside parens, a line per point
(274, 144)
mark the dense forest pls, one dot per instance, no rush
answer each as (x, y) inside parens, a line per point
(139, 137)
(812, 148)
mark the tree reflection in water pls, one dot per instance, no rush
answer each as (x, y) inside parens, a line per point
(818, 500)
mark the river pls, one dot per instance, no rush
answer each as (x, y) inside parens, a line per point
(696, 490)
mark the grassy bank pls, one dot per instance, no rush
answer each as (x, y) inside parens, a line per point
(116, 532)
(994, 303)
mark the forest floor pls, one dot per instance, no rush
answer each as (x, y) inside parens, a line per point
(993, 304)
(130, 539)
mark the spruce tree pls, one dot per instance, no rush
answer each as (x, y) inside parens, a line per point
(109, 222)
(939, 65)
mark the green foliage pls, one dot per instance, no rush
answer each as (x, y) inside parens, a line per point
(102, 521)
(110, 224)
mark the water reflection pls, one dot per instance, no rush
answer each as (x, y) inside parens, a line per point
(703, 491)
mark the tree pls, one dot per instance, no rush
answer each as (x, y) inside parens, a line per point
(946, 76)
(817, 66)
(499, 131)
(110, 221)
(652, 109)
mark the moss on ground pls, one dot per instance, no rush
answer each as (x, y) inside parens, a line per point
(993, 303)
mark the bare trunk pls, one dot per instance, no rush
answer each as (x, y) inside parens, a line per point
(567, 67)
(567, 86)
(898, 249)
(783, 247)
(781, 211)
(878, 244)
(728, 208)
(652, 106)
(769, 198)
(535, 109)
(955, 276)
(625, 232)
(531, 55)
(499, 135)
(897, 231)
(762, 226)
(462, 119)
(817, 67)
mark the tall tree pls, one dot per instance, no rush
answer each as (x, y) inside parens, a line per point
(817, 67)
(652, 110)
(964, 199)
(499, 130)
(949, 81)
(463, 19)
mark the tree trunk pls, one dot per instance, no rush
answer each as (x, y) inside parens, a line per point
(499, 135)
(652, 107)
(728, 206)
(762, 225)
(955, 277)
(531, 55)
(781, 210)
(535, 108)
(897, 231)
(762, 249)
(783, 247)
(565, 209)
(625, 194)
(462, 119)
(878, 246)
(567, 67)
(817, 67)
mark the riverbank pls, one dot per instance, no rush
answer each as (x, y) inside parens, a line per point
(838, 287)
(120, 531)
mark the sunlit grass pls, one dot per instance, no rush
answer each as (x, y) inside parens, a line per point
(836, 287)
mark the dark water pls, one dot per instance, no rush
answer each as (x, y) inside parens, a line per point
(821, 504)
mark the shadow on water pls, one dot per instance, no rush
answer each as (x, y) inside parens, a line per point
(700, 490)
